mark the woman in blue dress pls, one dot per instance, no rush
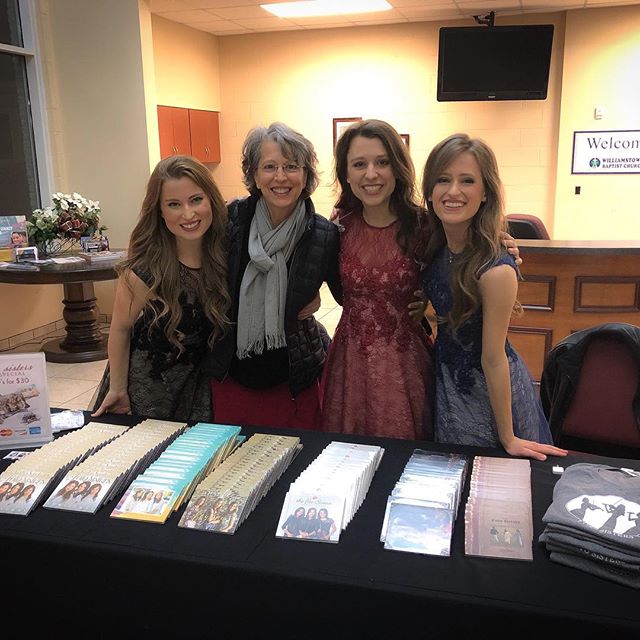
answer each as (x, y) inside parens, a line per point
(484, 394)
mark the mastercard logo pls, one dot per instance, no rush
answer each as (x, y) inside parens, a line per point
(6, 432)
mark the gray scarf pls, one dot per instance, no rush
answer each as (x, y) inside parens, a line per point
(263, 292)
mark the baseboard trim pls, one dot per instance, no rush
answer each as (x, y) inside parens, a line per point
(19, 339)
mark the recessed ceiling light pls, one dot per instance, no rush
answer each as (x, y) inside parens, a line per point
(311, 8)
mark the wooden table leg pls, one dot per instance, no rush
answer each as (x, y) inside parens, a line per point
(84, 341)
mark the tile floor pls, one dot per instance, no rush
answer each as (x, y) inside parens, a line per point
(72, 386)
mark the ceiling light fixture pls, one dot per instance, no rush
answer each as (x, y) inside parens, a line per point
(312, 8)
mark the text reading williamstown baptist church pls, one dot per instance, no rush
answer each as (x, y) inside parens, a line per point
(606, 152)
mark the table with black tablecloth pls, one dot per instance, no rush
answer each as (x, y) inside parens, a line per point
(102, 577)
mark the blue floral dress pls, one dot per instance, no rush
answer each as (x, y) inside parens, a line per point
(463, 412)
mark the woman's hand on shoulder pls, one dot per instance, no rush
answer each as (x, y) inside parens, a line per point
(114, 402)
(512, 247)
(529, 449)
(418, 307)
(309, 309)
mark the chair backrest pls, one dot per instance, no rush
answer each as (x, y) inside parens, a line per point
(524, 226)
(602, 408)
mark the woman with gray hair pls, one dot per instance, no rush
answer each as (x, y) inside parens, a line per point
(279, 254)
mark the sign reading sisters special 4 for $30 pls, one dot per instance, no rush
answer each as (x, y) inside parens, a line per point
(25, 416)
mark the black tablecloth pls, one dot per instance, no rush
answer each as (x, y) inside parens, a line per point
(97, 576)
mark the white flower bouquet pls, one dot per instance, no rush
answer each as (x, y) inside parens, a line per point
(68, 219)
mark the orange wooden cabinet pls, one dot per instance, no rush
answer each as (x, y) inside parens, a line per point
(189, 132)
(175, 134)
(205, 135)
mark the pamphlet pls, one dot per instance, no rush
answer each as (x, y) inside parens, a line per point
(13, 231)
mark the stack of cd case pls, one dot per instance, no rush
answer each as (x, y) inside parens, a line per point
(104, 474)
(24, 483)
(421, 510)
(323, 500)
(498, 516)
(170, 481)
(226, 497)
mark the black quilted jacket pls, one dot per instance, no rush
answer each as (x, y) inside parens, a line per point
(561, 373)
(314, 261)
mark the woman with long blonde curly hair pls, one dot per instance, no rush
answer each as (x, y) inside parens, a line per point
(172, 301)
(484, 394)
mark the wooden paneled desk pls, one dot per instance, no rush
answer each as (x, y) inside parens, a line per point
(573, 285)
(83, 342)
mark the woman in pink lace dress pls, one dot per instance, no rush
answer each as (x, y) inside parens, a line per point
(378, 375)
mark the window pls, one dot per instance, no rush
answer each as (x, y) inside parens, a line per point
(10, 31)
(24, 154)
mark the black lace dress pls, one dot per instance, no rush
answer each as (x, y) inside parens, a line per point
(164, 383)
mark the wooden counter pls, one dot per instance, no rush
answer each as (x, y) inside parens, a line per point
(572, 285)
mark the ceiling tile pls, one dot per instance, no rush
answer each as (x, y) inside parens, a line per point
(480, 6)
(229, 17)
(217, 26)
(220, 4)
(401, 4)
(238, 13)
(431, 13)
(186, 17)
(156, 6)
(272, 23)
(325, 20)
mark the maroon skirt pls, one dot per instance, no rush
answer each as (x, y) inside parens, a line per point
(234, 404)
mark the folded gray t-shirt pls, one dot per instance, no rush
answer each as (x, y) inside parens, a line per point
(601, 501)
(588, 545)
(597, 569)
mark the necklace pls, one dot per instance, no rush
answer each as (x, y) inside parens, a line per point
(450, 255)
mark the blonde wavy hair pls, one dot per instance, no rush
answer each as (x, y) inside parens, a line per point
(152, 250)
(484, 233)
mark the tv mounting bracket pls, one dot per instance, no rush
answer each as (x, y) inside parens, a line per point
(487, 20)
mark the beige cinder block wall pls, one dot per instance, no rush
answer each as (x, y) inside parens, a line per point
(101, 97)
(308, 78)
(601, 69)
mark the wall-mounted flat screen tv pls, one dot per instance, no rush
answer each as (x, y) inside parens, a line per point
(494, 63)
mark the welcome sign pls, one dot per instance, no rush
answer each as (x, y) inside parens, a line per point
(606, 152)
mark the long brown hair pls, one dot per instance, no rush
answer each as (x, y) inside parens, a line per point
(404, 200)
(152, 250)
(484, 233)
